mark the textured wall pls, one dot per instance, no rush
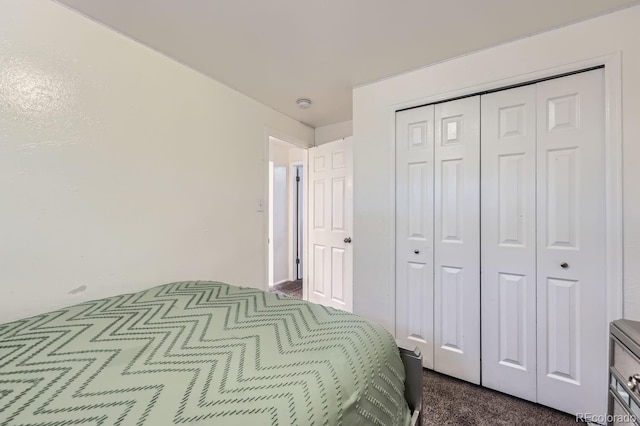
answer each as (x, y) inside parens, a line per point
(120, 168)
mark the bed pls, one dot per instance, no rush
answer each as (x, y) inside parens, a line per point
(201, 353)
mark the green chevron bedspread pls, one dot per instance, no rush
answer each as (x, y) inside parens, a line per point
(199, 353)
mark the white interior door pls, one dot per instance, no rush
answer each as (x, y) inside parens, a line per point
(508, 249)
(330, 256)
(572, 323)
(457, 239)
(414, 230)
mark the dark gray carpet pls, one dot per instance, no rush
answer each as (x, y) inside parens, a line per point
(290, 288)
(449, 401)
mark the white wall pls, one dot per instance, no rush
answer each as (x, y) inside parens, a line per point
(279, 152)
(297, 155)
(281, 232)
(333, 132)
(120, 169)
(373, 122)
(270, 226)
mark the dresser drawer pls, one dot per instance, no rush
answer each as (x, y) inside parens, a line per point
(619, 415)
(623, 361)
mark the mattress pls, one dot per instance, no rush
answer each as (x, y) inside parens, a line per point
(199, 353)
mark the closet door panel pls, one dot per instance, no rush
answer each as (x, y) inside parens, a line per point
(571, 252)
(414, 230)
(508, 211)
(457, 243)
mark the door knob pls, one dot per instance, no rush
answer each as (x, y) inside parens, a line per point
(347, 240)
(416, 251)
(564, 265)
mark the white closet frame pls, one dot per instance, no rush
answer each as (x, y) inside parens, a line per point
(613, 165)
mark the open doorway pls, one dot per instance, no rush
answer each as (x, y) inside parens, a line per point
(297, 212)
(286, 259)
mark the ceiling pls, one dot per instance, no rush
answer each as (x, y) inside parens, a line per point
(277, 51)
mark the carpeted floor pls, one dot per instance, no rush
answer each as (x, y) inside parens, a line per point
(290, 288)
(449, 401)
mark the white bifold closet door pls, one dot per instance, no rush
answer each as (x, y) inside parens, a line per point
(509, 241)
(572, 291)
(457, 239)
(414, 230)
(437, 235)
(544, 325)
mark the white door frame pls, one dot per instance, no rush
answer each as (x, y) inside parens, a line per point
(270, 133)
(613, 164)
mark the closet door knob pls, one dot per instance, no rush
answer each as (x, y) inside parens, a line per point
(347, 240)
(416, 251)
(564, 265)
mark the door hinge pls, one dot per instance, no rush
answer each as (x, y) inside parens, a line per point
(297, 261)
(297, 178)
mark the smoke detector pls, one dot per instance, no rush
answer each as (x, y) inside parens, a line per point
(303, 103)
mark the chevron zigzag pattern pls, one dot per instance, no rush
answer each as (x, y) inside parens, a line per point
(199, 353)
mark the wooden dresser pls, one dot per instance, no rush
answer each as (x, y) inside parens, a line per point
(624, 373)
